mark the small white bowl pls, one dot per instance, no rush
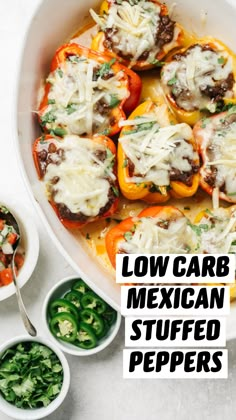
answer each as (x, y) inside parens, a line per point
(58, 291)
(36, 413)
(29, 241)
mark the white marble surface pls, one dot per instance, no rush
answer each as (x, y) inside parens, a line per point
(97, 391)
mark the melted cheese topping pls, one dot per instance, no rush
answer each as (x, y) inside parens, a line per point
(135, 26)
(195, 71)
(219, 140)
(84, 180)
(218, 232)
(77, 89)
(155, 150)
(149, 238)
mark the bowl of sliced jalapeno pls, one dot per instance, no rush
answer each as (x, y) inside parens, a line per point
(79, 320)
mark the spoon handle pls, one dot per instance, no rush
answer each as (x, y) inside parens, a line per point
(27, 323)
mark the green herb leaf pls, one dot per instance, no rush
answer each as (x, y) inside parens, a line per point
(115, 191)
(221, 60)
(125, 163)
(105, 68)
(198, 229)
(59, 72)
(128, 236)
(156, 62)
(70, 109)
(114, 101)
(172, 81)
(51, 101)
(58, 131)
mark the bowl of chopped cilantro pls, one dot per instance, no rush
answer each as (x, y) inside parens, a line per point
(34, 378)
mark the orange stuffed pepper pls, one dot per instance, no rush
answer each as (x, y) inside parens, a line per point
(157, 158)
(87, 93)
(140, 33)
(79, 175)
(156, 230)
(216, 140)
(198, 79)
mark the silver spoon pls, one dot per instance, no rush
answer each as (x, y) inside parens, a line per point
(6, 215)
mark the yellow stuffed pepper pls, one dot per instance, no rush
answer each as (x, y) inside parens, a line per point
(157, 157)
(139, 32)
(198, 79)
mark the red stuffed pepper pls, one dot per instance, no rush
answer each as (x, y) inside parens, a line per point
(216, 139)
(87, 93)
(79, 175)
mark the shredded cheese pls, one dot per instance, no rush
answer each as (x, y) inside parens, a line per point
(75, 95)
(198, 69)
(150, 238)
(155, 150)
(83, 180)
(134, 26)
(220, 235)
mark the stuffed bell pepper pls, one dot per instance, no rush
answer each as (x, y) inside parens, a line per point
(140, 32)
(199, 78)
(217, 229)
(87, 93)
(156, 230)
(157, 157)
(79, 175)
(216, 139)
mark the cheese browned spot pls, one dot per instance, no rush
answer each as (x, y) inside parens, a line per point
(136, 30)
(199, 77)
(78, 175)
(82, 96)
(160, 235)
(158, 154)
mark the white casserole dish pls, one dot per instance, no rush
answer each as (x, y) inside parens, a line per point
(51, 26)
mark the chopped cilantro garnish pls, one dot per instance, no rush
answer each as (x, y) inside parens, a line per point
(156, 62)
(114, 101)
(58, 131)
(105, 68)
(47, 118)
(125, 163)
(172, 81)
(70, 109)
(199, 228)
(42, 139)
(75, 58)
(128, 236)
(115, 191)
(106, 132)
(60, 72)
(51, 101)
(221, 60)
(31, 375)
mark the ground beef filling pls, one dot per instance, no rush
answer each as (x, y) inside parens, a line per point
(175, 174)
